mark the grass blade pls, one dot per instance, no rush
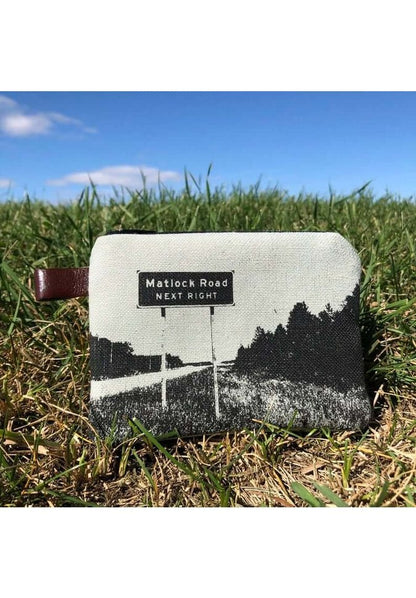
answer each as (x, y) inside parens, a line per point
(305, 495)
(331, 496)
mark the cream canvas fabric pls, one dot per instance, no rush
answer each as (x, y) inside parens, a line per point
(205, 332)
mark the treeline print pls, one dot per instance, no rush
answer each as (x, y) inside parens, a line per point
(320, 349)
(114, 360)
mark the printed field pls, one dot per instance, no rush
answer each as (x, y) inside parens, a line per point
(244, 402)
(50, 452)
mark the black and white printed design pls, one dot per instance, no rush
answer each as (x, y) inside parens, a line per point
(219, 331)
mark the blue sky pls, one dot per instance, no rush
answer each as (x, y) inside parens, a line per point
(52, 142)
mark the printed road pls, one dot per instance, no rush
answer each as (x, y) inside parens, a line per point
(114, 386)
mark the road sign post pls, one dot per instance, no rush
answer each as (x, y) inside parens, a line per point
(214, 363)
(163, 361)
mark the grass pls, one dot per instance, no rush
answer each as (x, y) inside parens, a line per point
(50, 454)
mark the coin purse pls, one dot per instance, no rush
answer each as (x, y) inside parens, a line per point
(202, 333)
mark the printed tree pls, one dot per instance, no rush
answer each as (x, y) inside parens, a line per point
(114, 360)
(323, 349)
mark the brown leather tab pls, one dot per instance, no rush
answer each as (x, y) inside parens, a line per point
(60, 283)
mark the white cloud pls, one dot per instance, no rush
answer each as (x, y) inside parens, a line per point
(7, 103)
(17, 121)
(21, 125)
(124, 175)
(5, 183)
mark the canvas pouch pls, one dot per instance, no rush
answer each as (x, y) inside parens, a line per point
(208, 332)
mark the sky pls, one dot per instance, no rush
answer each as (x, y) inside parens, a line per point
(53, 143)
(260, 263)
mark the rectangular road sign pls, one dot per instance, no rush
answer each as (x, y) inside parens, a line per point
(185, 289)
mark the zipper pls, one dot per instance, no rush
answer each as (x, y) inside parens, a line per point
(132, 231)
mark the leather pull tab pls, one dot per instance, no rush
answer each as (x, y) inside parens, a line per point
(60, 283)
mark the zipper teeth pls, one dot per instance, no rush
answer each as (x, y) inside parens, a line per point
(133, 231)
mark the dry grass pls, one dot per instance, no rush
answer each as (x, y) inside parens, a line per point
(51, 456)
